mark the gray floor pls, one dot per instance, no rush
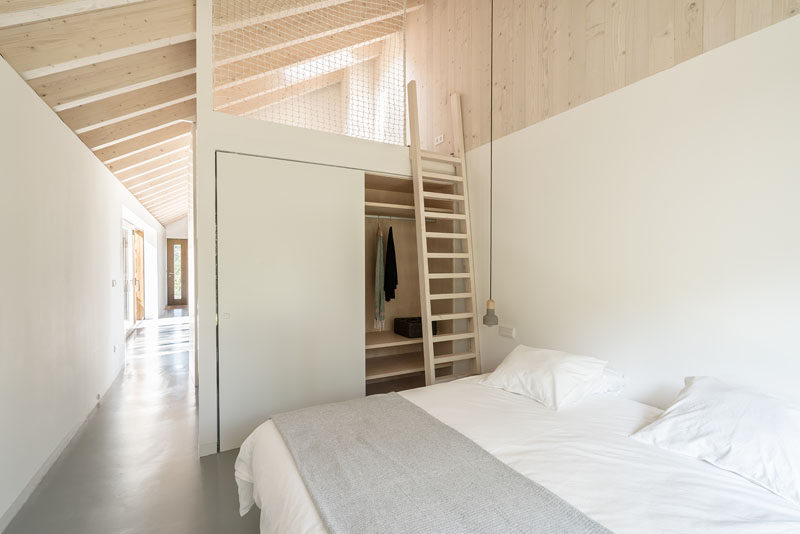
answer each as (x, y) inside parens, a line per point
(133, 468)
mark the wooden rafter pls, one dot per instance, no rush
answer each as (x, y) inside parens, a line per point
(156, 173)
(13, 12)
(297, 89)
(273, 81)
(125, 104)
(130, 127)
(93, 81)
(246, 69)
(157, 198)
(132, 160)
(228, 19)
(142, 142)
(303, 27)
(155, 164)
(135, 185)
(51, 42)
(160, 184)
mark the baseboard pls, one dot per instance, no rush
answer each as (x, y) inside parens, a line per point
(207, 449)
(30, 487)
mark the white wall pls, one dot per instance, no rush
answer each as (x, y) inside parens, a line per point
(178, 229)
(659, 226)
(60, 318)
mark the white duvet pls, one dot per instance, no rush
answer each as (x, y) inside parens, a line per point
(581, 453)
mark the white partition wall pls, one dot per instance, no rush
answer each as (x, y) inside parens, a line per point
(290, 288)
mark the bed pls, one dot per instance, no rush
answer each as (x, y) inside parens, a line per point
(581, 453)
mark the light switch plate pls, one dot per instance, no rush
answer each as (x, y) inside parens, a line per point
(508, 331)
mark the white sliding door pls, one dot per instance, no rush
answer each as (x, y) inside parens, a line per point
(291, 288)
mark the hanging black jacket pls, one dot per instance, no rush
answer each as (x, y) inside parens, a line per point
(390, 276)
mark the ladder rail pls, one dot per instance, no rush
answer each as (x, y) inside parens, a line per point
(422, 242)
(461, 170)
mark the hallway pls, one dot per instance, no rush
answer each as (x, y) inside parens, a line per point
(133, 467)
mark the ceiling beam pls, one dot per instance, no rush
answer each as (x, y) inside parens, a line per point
(278, 79)
(54, 41)
(160, 162)
(180, 171)
(99, 80)
(156, 198)
(116, 107)
(297, 89)
(142, 142)
(225, 20)
(303, 27)
(182, 142)
(156, 173)
(151, 120)
(14, 12)
(175, 201)
(180, 179)
(246, 69)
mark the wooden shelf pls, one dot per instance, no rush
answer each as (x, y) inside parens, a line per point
(398, 365)
(389, 210)
(381, 340)
(395, 365)
(403, 210)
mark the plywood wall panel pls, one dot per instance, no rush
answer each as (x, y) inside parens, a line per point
(553, 55)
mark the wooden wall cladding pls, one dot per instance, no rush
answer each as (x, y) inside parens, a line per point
(553, 55)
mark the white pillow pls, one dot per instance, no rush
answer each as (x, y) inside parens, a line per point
(734, 428)
(551, 377)
(610, 383)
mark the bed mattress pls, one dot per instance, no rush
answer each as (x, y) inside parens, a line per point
(582, 453)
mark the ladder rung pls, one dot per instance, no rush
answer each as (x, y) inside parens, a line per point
(444, 235)
(441, 176)
(451, 296)
(457, 357)
(447, 276)
(451, 316)
(435, 156)
(452, 337)
(441, 196)
(436, 215)
(446, 255)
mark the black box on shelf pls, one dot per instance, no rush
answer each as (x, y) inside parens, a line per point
(410, 327)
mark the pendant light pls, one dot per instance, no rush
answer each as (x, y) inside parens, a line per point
(490, 318)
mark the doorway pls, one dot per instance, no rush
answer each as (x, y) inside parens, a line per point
(177, 272)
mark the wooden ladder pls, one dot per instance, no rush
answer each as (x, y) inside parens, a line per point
(446, 273)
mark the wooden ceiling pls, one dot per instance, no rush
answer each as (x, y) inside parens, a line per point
(121, 75)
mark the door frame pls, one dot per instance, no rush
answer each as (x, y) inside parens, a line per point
(184, 244)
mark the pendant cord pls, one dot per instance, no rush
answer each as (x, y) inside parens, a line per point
(491, 146)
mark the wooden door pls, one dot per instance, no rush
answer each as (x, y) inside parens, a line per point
(177, 272)
(138, 273)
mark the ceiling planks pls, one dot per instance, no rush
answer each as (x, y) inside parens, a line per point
(54, 41)
(143, 141)
(137, 101)
(306, 86)
(148, 154)
(98, 79)
(130, 127)
(160, 162)
(245, 69)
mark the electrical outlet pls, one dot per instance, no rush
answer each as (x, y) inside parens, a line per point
(508, 331)
(115, 348)
(438, 140)
(113, 283)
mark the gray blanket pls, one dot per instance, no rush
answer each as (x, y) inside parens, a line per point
(381, 464)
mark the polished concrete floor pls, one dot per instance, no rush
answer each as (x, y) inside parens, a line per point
(133, 468)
